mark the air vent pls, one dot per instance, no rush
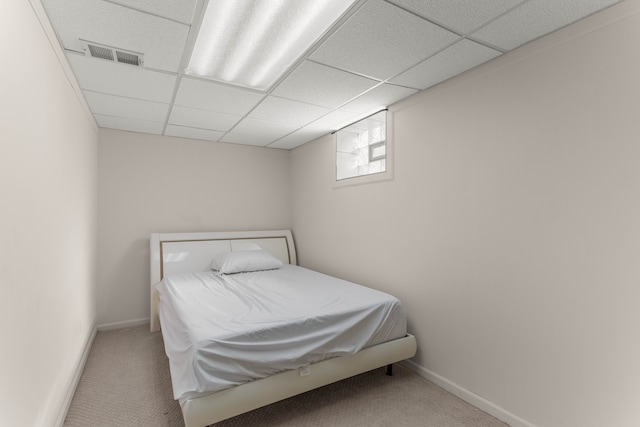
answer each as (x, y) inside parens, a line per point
(113, 54)
(100, 52)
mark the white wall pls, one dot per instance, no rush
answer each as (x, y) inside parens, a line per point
(151, 184)
(512, 228)
(48, 191)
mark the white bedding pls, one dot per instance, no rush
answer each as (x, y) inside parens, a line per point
(224, 330)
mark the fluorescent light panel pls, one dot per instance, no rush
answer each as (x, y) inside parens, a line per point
(253, 43)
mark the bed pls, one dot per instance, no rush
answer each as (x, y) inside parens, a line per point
(181, 261)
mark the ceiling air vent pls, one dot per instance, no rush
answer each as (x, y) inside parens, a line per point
(113, 54)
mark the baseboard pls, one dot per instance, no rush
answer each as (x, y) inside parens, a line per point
(468, 396)
(125, 324)
(73, 384)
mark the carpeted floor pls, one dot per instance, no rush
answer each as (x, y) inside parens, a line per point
(126, 383)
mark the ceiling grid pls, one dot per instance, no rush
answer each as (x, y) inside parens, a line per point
(377, 53)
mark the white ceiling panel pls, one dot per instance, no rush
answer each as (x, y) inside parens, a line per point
(381, 41)
(120, 79)
(193, 133)
(268, 130)
(379, 52)
(454, 60)
(462, 16)
(133, 125)
(162, 41)
(285, 111)
(536, 18)
(322, 85)
(378, 98)
(178, 10)
(202, 119)
(297, 138)
(335, 120)
(119, 106)
(212, 96)
(246, 139)
(288, 144)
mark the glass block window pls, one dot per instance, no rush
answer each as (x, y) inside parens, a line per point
(361, 148)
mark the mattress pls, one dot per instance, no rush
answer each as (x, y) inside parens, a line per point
(224, 330)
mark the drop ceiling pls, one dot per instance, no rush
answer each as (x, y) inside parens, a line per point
(377, 53)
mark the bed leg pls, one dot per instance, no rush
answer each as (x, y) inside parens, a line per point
(389, 371)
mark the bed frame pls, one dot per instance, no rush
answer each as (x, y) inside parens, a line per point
(185, 252)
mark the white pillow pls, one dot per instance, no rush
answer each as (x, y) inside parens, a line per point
(245, 261)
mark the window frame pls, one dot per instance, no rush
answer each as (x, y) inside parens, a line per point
(387, 175)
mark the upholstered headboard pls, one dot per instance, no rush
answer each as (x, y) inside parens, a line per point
(185, 252)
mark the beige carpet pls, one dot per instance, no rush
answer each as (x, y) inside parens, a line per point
(126, 383)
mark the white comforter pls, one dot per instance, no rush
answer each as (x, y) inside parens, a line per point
(224, 330)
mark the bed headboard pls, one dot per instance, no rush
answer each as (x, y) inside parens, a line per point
(185, 252)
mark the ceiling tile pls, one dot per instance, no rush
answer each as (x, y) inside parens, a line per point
(322, 85)
(160, 40)
(110, 105)
(382, 52)
(193, 133)
(178, 10)
(133, 125)
(208, 95)
(454, 60)
(202, 119)
(121, 79)
(257, 138)
(378, 98)
(535, 18)
(335, 120)
(247, 139)
(461, 16)
(297, 138)
(381, 40)
(285, 111)
(268, 130)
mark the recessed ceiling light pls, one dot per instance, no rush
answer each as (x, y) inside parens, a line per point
(253, 43)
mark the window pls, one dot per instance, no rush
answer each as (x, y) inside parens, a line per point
(361, 148)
